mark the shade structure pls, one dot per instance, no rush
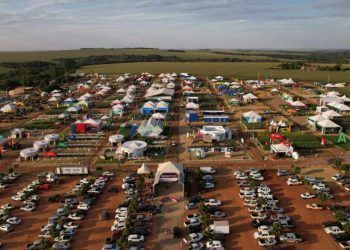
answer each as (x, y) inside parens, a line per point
(327, 124)
(51, 137)
(331, 114)
(29, 152)
(42, 144)
(168, 168)
(116, 138)
(144, 169)
(132, 149)
(158, 116)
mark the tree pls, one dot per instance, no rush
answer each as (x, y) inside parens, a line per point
(177, 232)
(277, 229)
(322, 197)
(261, 201)
(339, 215)
(296, 169)
(346, 227)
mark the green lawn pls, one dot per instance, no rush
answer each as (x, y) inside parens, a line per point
(241, 70)
(334, 140)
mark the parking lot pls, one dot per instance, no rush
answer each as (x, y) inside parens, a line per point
(29, 229)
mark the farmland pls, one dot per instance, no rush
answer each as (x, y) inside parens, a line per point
(242, 70)
(22, 56)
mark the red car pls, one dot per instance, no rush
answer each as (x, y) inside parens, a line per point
(44, 186)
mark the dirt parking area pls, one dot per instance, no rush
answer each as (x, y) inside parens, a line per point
(308, 222)
(29, 229)
(93, 231)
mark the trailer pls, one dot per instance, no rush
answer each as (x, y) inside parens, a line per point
(73, 170)
(219, 227)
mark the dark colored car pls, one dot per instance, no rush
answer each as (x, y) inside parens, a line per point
(195, 199)
(104, 215)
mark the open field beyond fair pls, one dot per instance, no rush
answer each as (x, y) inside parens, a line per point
(241, 70)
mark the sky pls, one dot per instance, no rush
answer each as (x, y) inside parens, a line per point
(174, 24)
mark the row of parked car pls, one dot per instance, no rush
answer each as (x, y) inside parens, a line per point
(63, 224)
(138, 223)
(193, 222)
(264, 210)
(7, 179)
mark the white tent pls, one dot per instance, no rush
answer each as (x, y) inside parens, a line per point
(249, 97)
(331, 114)
(192, 105)
(169, 168)
(144, 169)
(158, 116)
(9, 108)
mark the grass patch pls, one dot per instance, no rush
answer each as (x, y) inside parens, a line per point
(334, 140)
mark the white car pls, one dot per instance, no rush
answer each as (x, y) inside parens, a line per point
(320, 186)
(207, 177)
(209, 185)
(212, 202)
(18, 197)
(267, 242)
(71, 225)
(294, 182)
(6, 228)
(263, 235)
(196, 246)
(264, 189)
(122, 215)
(290, 237)
(118, 226)
(337, 177)
(28, 208)
(307, 196)
(136, 238)
(7, 206)
(333, 230)
(263, 228)
(3, 185)
(255, 209)
(94, 191)
(75, 216)
(121, 209)
(14, 221)
(241, 177)
(193, 237)
(259, 216)
(207, 170)
(251, 203)
(213, 244)
(193, 222)
(108, 173)
(83, 206)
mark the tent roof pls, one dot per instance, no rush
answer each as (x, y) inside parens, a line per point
(144, 169)
(331, 113)
(251, 114)
(169, 167)
(317, 118)
(328, 124)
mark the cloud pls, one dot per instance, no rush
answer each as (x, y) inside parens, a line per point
(62, 24)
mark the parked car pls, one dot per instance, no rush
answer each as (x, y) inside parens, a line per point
(259, 216)
(213, 244)
(263, 235)
(6, 228)
(314, 206)
(282, 172)
(294, 182)
(333, 230)
(338, 177)
(191, 205)
(345, 244)
(207, 170)
(28, 208)
(14, 221)
(307, 195)
(290, 237)
(267, 242)
(212, 202)
(61, 245)
(193, 237)
(196, 246)
(135, 238)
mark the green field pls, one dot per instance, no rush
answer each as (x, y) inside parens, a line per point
(241, 70)
(4, 70)
(22, 56)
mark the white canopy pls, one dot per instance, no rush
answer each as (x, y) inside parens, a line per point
(9, 108)
(170, 167)
(158, 116)
(330, 114)
(328, 124)
(192, 105)
(144, 169)
(251, 114)
(317, 118)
